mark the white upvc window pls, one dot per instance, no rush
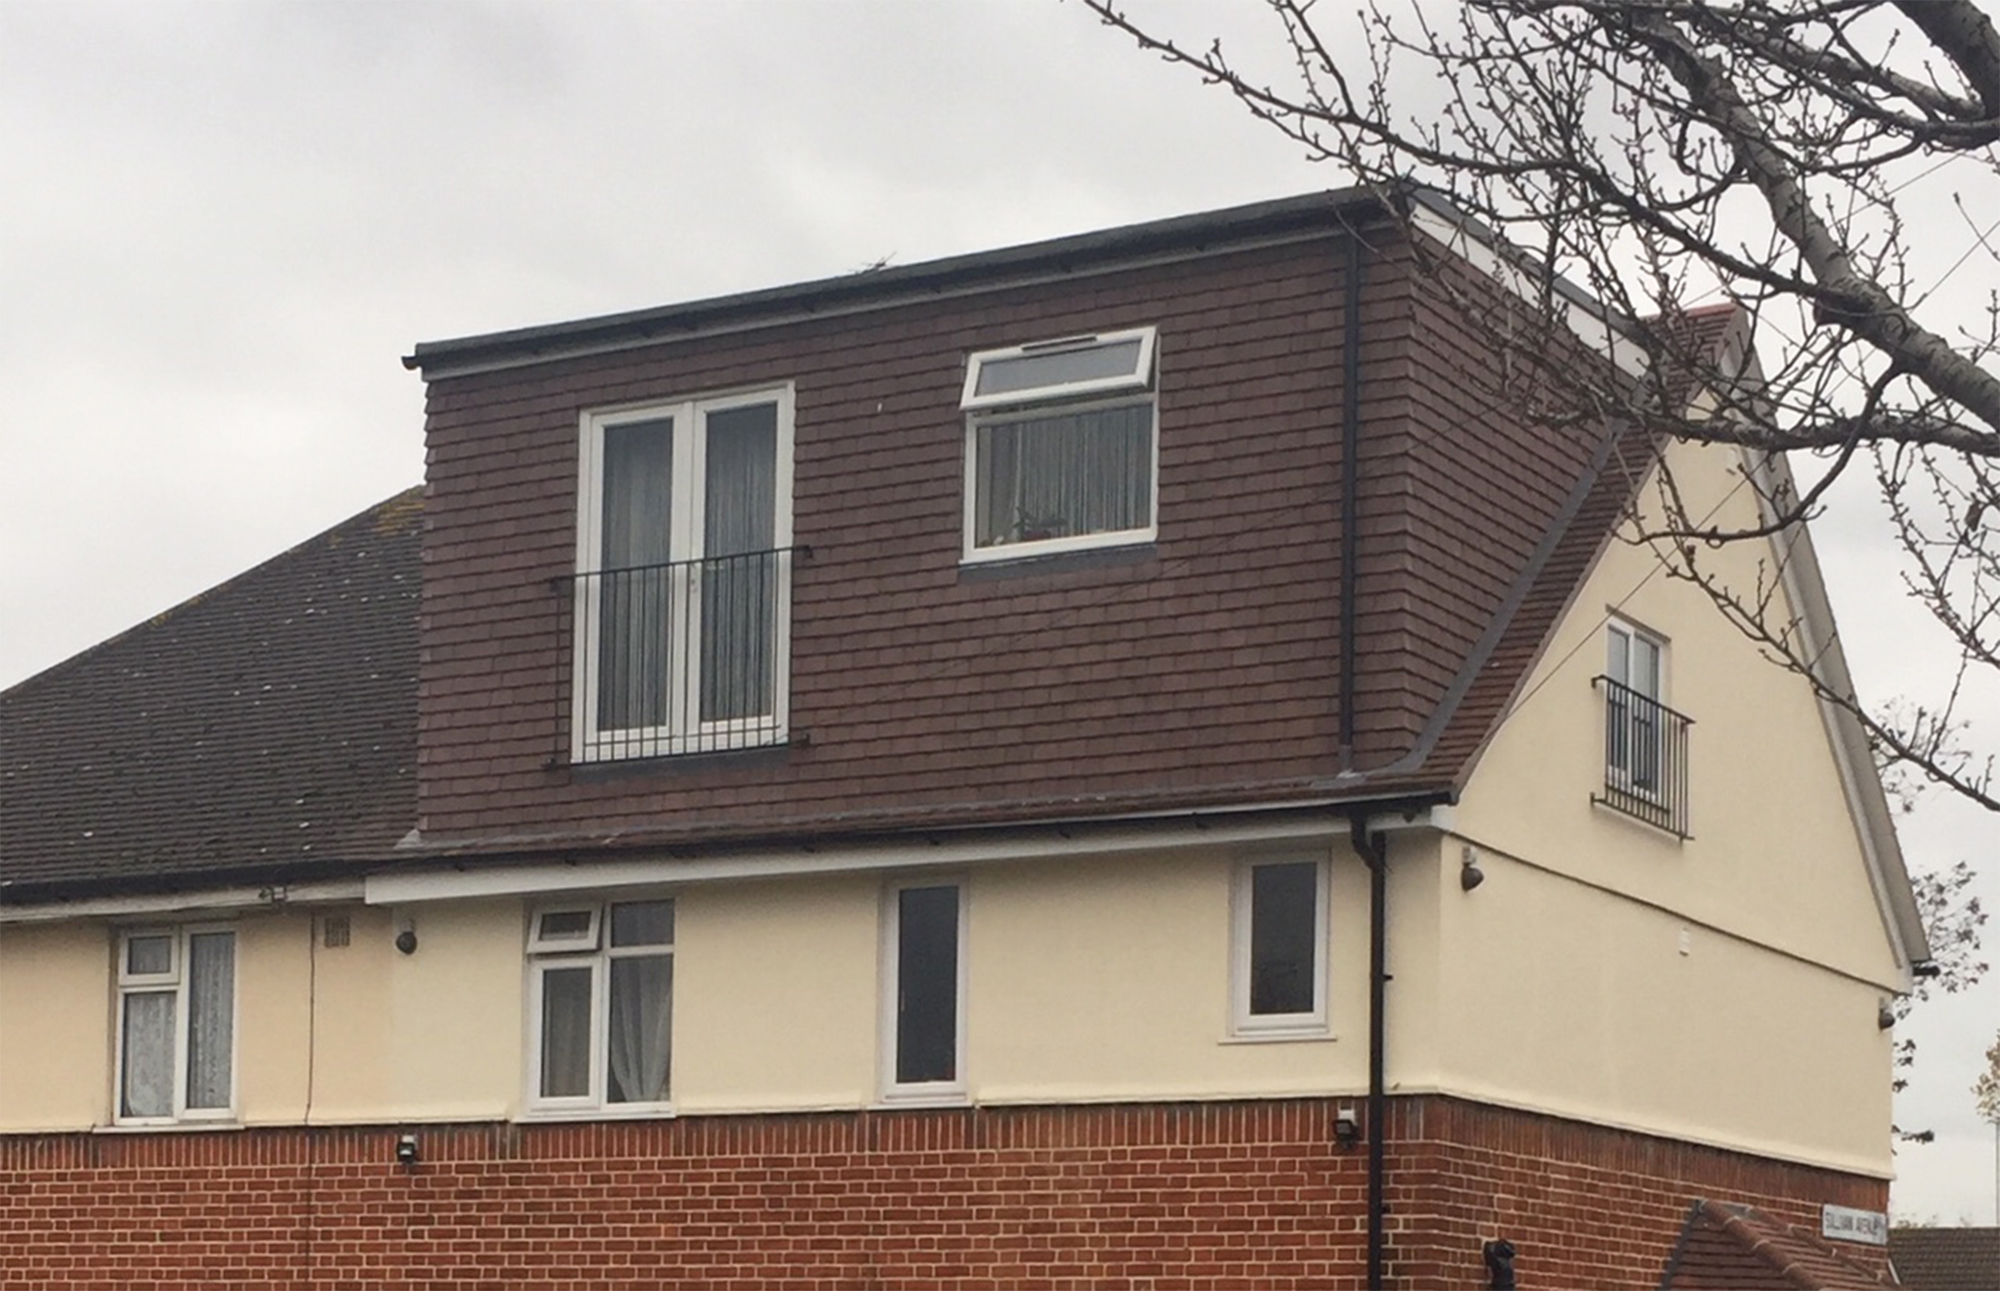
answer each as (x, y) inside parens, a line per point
(1279, 912)
(1635, 717)
(600, 1007)
(684, 568)
(1061, 446)
(176, 1025)
(923, 991)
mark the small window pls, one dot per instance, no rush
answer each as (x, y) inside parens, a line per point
(1280, 938)
(925, 990)
(1645, 742)
(601, 1008)
(176, 1025)
(1061, 450)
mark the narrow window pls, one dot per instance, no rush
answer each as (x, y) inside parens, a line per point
(603, 982)
(177, 1024)
(927, 1019)
(1060, 446)
(1632, 708)
(1280, 947)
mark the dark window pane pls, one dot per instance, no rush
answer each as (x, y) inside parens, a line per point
(566, 1033)
(926, 984)
(642, 923)
(211, 1017)
(739, 575)
(634, 601)
(149, 956)
(566, 926)
(1284, 907)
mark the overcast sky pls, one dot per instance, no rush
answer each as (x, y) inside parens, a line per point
(224, 223)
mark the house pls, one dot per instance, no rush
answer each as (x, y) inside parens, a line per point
(1129, 760)
(1946, 1259)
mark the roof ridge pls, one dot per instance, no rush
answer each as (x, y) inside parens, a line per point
(411, 494)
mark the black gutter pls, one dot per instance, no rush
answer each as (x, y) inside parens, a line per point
(1350, 491)
(1374, 850)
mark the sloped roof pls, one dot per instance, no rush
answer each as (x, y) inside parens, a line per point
(1946, 1259)
(1740, 1248)
(265, 727)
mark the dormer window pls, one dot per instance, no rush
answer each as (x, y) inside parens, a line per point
(1061, 452)
(683, 587)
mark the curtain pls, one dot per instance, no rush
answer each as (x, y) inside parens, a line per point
(642, 992)
(1062, 475)
(634, 605)
(211, 1017)
(739, 569)
(147, 1081)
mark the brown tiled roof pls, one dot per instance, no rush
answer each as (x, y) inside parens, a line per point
(266, 727)
(1740, 1248)
(1946, 1259)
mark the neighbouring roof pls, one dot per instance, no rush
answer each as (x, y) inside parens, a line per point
(1726, 1247)
(265, 727)
(1946, 1259)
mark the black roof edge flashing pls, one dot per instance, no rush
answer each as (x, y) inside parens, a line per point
(1330, 210)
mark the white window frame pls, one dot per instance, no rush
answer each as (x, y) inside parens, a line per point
(1278, 1026)
(1130, 389)
(175, 979)
(932, 1091)
(1621, 776)
(544, 956)
(685, 543)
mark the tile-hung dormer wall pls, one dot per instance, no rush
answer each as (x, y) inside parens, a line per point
(1016, 550)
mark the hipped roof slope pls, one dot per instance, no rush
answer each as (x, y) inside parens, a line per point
(1946, 1259)
(1740, 1248)
(266, 727)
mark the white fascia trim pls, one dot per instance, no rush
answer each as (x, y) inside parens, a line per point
(1820, 641)
(178, 903)
(1594, 329)
(542, 879)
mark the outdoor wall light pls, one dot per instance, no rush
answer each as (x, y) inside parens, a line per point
(1885, 1017)
(1470, 875)
(1499, 1264)
(406, 939)
(1346, 1126)
(406, 1151)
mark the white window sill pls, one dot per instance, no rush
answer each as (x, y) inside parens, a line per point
(168, 1127)
(956, 1096)
(645, 1112)
(1058, 546)
(1281, 1035)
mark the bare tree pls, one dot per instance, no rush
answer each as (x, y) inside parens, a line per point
(1664, 155)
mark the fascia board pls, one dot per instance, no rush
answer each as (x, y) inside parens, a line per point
(177, 903)
(540, 879)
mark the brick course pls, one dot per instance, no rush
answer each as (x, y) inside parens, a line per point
(1181, 1197)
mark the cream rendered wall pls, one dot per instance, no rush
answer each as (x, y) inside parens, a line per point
(55, 1026)
(453, 1024)
(1573, 1000)
(1106, 978)
(1563, 983)
(1775, 857)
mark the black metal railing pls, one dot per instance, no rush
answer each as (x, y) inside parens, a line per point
(1645, 758)
(688, 656)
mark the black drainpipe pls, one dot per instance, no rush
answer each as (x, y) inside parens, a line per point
(1350, 489)
(1374, 849)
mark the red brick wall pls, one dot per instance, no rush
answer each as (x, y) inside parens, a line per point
(1188, 1197)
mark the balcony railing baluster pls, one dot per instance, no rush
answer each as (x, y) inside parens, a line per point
(1645, 758)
